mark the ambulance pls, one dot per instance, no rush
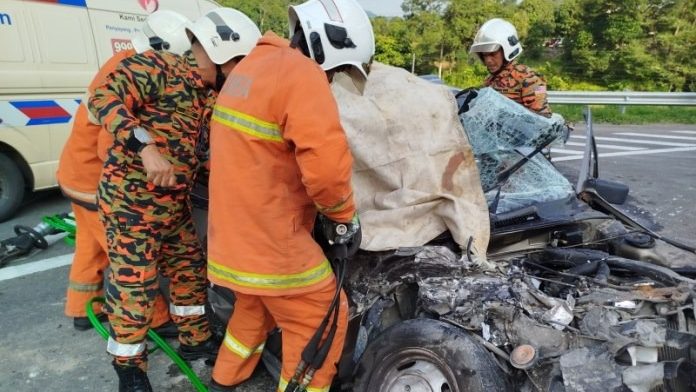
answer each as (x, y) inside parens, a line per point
(49, 52)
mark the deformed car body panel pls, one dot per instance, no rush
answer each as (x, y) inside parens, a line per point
(563, 282)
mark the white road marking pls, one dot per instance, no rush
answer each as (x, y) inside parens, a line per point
(564, 151)
(651, 142)
(609, 146)
(626, 153)
(655, 136)
(17, 271)
(686, 132)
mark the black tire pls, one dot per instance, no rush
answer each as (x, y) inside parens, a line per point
(12, 187)
(424, 355)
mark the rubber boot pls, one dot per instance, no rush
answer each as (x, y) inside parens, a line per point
(132, 379)
(207, 349)
(83, 323)
(215, 387)
(167, 330)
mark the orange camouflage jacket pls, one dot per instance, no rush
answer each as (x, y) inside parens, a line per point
(523, 85)
(164, 94)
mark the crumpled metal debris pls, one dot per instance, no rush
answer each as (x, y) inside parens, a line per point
(590, 370)
(592, 333)
(561, 314)
(643, 378)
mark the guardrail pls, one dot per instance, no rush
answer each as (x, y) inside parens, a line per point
(622, 98)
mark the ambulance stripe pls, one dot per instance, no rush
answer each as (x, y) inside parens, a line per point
(47, 112)
(76, 3)
(32, 104)
(42, 112)
(49, 121)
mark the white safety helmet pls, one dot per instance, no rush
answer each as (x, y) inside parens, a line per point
(495, 34)
(225, 33)
(163, 30)
(338, 32)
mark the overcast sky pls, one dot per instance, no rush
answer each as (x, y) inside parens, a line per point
(383, 7)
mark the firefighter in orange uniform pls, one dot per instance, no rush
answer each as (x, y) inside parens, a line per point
(78, 174)
(498, 46)
(277, 138)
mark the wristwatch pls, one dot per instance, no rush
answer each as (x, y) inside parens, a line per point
(139, 139)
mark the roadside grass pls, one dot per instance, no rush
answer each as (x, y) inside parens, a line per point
(635, 114)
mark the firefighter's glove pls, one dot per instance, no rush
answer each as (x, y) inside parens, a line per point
(341, 233)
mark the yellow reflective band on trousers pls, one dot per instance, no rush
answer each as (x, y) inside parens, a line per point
(239, 348)
(267, 281)
(283, 383)
(247, 124)
(84, 287)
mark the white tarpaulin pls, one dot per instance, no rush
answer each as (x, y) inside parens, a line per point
(414, 174)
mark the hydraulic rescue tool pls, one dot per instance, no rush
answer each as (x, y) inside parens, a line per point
(48, 232)
(314, 354)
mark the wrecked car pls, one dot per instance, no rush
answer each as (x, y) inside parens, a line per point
(570, 294)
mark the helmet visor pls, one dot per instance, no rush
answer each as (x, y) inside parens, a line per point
(486, 47)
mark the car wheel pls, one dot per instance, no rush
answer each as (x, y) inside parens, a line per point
(11, 187)
(426, 355)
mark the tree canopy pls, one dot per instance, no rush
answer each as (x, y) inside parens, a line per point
(579, 44)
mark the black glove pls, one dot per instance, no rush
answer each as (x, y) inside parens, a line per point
(465, 97)
(338, 233)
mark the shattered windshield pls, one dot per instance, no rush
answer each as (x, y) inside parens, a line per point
(501, 132)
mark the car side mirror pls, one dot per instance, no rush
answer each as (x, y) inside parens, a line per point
(611, 191)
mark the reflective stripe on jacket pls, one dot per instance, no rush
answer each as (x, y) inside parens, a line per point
(80, 162)
(278, 154)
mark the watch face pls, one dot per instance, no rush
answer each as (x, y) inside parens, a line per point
(142, 135)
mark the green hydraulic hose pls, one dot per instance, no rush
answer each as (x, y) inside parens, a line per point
(155, 338)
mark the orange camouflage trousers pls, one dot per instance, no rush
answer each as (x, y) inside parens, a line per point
(140, 243)
(86, 272)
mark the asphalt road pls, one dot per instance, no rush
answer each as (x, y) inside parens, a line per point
(40, 351)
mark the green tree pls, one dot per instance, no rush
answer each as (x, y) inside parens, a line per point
(267, 14)
(535, 21)
(411, 7)
(634, 44)
(464, 17)
(424, 38)
(616, 44)
(671, 27)
(389, 47)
